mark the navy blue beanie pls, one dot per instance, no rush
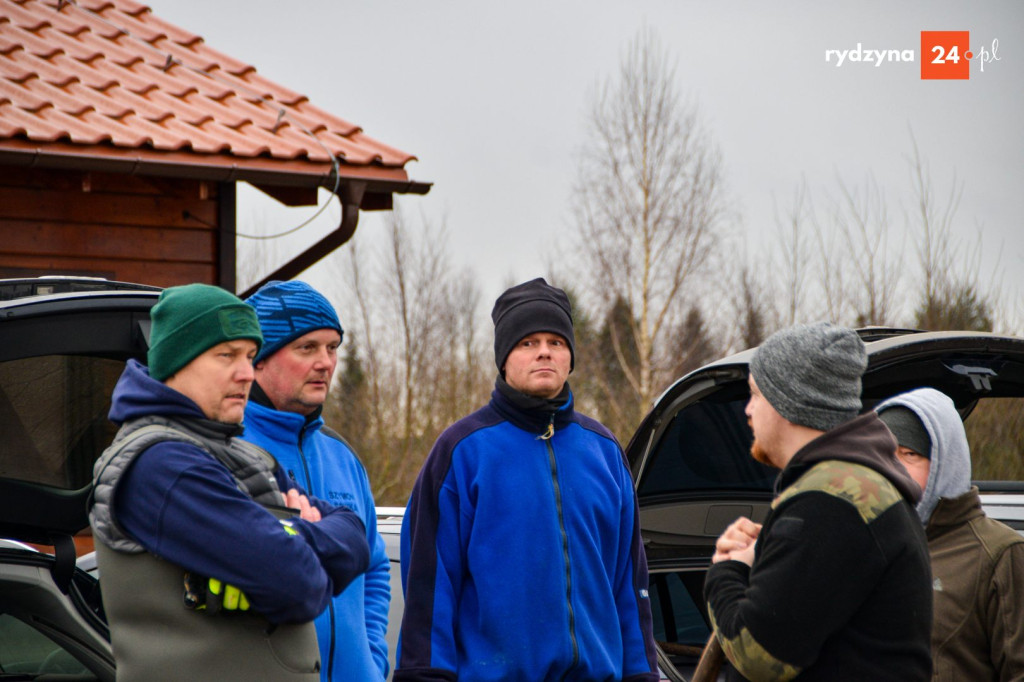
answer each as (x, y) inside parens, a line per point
(288, 310)
(528, 308)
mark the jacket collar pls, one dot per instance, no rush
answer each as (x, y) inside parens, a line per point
(953, 512)
(530, 413)
(286, 422)
(292, 421)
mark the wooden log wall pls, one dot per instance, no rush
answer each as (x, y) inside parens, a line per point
(159, 231)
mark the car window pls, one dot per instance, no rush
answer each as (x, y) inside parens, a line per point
(677, 618)
(53, 417)
(706, 447)
(24, 651)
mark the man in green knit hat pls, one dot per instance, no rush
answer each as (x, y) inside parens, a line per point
(214, 562)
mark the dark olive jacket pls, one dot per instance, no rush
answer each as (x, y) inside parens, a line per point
(978, 582)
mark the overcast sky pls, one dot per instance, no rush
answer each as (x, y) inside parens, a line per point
(492, 97)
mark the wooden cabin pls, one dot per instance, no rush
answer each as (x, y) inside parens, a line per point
(122, 138)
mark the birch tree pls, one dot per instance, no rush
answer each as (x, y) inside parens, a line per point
(647, 209)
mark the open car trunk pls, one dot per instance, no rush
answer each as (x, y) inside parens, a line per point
(690, 458)
(63, 345)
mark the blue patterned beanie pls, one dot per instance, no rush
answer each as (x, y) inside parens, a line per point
(287, 310)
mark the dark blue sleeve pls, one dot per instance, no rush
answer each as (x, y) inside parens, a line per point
(183, 505)
(431, 574)
(285, 482)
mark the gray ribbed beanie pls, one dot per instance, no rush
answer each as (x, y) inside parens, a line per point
(811, 374)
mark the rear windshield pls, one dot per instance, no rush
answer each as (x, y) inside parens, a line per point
(706, 445)
(995, 432)
(53, 417)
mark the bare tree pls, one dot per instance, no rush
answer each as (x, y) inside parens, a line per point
(861, 219)
(794, 255)
(752, 307)
(842, 268)
(420, 364)
(647, 204)
(952, 293)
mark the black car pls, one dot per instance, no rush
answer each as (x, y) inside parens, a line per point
(694, 474)
(63, 344)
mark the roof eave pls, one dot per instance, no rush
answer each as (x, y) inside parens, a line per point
(210, 167)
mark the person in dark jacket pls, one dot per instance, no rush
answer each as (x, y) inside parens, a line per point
(521, 550)
(214, 561)
(301, 335)
(836, 584)
(977, 562)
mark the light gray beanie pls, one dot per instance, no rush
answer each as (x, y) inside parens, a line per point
(950, 455)
(811, 374)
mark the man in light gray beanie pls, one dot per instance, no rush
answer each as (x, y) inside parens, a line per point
(977, 562)
(835, 584)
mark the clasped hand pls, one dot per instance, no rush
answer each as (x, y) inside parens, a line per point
(737, 542)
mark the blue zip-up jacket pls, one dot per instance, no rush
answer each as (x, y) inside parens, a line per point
(521, 556)
(351, 631)
(183, 505)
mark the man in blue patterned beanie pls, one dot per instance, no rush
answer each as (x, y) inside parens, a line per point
(294, 368)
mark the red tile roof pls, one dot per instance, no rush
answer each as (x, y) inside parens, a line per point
(107, 80)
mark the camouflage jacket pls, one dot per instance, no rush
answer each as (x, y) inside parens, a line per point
(840, 587)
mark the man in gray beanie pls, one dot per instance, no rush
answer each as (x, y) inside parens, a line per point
(521, 549)
(977, 562)
(835, 585)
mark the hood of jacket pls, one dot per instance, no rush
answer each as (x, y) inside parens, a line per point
(865, 440)
(950, 472)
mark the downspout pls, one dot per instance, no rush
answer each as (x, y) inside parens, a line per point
(350, 194)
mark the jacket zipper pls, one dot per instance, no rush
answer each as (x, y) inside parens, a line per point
(546, 437)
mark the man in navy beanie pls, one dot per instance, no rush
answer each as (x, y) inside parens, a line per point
(301, 335)
(835, 585)
(521, 550)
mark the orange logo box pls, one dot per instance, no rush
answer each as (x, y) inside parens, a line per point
(945, 55)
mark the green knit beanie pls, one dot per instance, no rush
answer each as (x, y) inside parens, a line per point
(188, 320)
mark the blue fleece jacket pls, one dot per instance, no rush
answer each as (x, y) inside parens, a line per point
(521, 557)
(352, 630)
(183, 505)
